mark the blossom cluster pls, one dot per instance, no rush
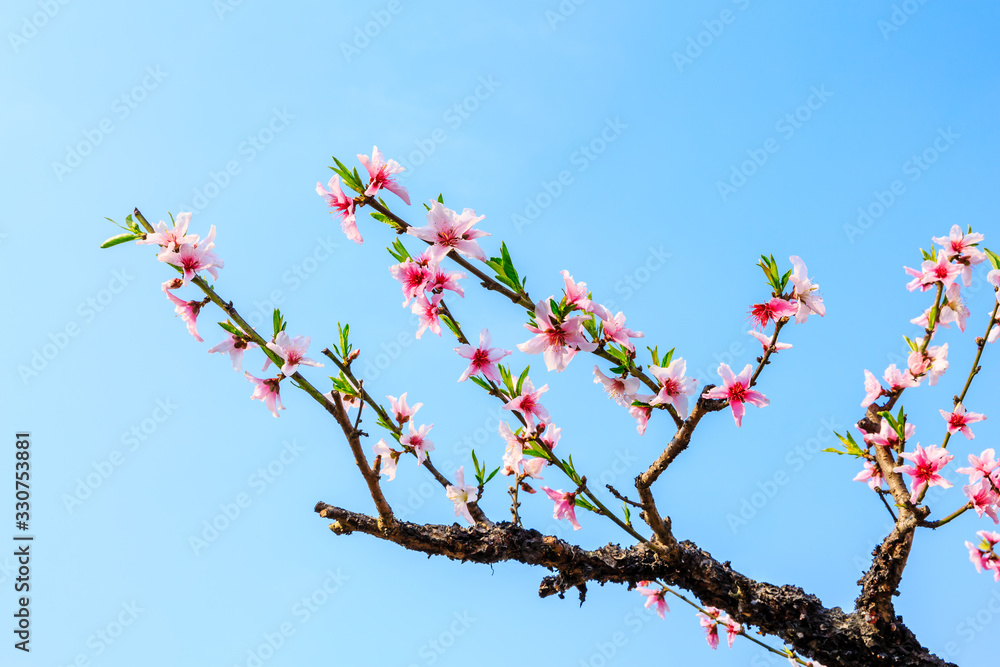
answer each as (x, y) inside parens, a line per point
(946, 268)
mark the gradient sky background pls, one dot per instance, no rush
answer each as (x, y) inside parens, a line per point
(557, 78)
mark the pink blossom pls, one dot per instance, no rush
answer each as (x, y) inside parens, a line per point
(887, 436)
(412, 276)
(918, 280)
(235, 347)
(654, 597)
(733, 629)
(191, 258)
(428, 313)
(267, 391)
(559, 341)
(993, 278)
(810, 302)
(171, 237)
(400, 410)
(439, 280)
(336, 198)
(188, 310)
(619, 389)
(708, 621)
(982, 466)
(932, 363)
(953, 309)
(528, 404)
(389, 459)
(924, 471)
(550, 434)
(418, 442)
(448, 230)
(941, 271)
(871, 474)
(772, 311)
(737, 391)
(641, 413)
(873, 389)
(959, 420)
(897, 379)
(615, 329)
(482, 359)
(293, 351)
(461, 495)
(765, 341)
(983, 555)
(959, 245)
(533, 467)
(984, 498)
(674, 387)
(576, 293)
(380, 172)
(514, 452)
(565, 506)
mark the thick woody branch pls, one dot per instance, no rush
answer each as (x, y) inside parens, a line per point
(799, 619)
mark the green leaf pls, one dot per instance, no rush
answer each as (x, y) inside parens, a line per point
(521, 378)
(440, 198)
(399, 251)
(535, 451)
(784, 280)
(481, 382)
(452, 326)
(492, 474)
(278, 321)
(654, 355)
(670, 355)
(230, 328)
(851, 446)
(993, 257)
(120, 238)
(932, 316)
(475, 462)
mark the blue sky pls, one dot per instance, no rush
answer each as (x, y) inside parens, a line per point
(652, 149)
